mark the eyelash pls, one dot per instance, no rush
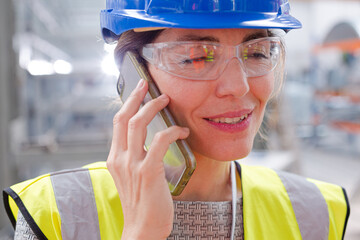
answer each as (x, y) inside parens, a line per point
(200, 59)
(259, 55)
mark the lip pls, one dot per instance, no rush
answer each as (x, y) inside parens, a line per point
(232, 128)
(232, 114)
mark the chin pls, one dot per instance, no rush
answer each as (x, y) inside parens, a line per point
(226, 153)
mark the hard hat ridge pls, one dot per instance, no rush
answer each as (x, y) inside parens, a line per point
(188, 6)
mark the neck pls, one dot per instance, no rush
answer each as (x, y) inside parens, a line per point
(209, 182)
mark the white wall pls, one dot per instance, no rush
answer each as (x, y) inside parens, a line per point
(318, 18)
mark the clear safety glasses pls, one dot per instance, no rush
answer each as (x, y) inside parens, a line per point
(207, 60)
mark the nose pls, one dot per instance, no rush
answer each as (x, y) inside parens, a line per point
(233, 80)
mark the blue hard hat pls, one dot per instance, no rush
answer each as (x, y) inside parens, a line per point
(124, 15)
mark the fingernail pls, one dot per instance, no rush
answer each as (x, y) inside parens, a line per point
(163, 97)
(186, 130)
(141, 83)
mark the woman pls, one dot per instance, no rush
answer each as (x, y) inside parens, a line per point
(218, 98)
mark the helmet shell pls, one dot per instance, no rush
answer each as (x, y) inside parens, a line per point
(124, 15)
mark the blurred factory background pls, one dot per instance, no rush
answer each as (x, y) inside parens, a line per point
(57, 91)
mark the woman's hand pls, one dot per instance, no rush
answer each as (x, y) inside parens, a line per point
(139, 176)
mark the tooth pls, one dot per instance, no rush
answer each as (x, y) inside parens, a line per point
(228, 120)
(214, 120)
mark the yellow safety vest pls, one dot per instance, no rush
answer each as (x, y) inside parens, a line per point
(84, 204)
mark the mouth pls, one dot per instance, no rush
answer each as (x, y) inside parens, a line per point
(234, 120)
(231, 122)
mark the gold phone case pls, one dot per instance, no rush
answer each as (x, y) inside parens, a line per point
(179, 161)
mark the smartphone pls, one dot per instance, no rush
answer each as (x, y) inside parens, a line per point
(179, 161)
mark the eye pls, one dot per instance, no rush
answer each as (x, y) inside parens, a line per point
(258, 55)
(197, 60)
(199, 56)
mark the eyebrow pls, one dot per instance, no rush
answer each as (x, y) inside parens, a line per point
(191, 37)
(256, 35)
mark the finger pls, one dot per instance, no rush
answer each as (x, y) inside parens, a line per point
(121, 118)
(138, 123)
(162, 141)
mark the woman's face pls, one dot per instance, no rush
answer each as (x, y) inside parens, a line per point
(223, 115)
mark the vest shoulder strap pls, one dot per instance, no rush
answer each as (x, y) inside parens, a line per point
(73, 204)
(286, 206)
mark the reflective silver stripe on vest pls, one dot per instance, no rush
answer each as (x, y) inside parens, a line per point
(75, 200)
(309, 205)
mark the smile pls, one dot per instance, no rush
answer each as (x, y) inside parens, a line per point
(231, 122)
(234, 120)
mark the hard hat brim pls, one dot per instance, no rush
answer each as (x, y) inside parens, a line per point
(111, 29)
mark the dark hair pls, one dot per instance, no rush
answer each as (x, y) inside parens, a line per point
(133, 42)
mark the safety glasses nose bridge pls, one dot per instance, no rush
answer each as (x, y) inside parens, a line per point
(238, 52)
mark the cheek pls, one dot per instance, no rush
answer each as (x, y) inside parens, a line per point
(185, 95)
(262, 87)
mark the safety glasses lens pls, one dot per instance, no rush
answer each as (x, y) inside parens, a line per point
(207, 60)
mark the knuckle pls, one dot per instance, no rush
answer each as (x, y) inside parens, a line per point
(145, 173)
(127, 166)
(135, 95)
(109, 164)
(134, 123)
(143, 170)
(128, 163)
(112, 163)
(119, 118)
(160, 137)
(115, 158)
